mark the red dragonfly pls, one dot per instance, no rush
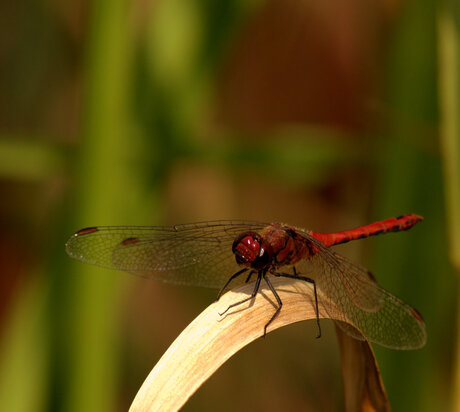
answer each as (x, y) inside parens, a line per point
(205, 254)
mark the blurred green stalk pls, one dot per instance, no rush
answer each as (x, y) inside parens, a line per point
(24, 350)
(105, 187)
(449, 105)
(25, 159)
(410, 181)
(449, 108)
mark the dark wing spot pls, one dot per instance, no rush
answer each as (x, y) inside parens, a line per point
(371, 276)
(417, 315)
(129, 241)
(86, 231)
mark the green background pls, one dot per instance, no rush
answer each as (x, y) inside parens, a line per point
(326, 115)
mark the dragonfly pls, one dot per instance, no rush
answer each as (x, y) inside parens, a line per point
(221, 253)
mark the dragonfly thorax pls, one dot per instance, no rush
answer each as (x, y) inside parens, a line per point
(252, 251)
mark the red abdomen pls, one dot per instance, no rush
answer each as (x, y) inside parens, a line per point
(394, 224)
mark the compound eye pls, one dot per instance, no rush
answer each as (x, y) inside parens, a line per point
(246, 248)
(251, 244)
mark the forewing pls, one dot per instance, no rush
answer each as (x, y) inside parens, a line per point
(198, 254)
(379, 315)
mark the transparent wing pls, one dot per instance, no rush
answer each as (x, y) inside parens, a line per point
(197, 254)
(200, 254)
(379, 315)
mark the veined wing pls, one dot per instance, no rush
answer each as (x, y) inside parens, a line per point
(197, 254)
(379, 315)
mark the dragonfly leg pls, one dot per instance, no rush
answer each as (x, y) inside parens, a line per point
(249, 276)
(309, 280)
(229, 280)
(253, 294)
(278, 299)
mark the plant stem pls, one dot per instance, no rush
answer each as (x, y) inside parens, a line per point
(449, 107)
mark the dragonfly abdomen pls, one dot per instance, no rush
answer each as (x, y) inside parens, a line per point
(394, 224)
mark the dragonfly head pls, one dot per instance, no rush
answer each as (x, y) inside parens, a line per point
(252, 251)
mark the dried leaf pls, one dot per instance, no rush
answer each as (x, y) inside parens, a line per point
(362, 383)
(211, 339)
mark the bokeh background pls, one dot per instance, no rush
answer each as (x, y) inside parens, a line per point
(324, 114)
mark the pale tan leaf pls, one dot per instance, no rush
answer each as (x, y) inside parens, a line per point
(211, 339)
(362, 383)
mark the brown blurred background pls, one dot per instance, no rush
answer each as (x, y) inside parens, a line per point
(322, 114)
